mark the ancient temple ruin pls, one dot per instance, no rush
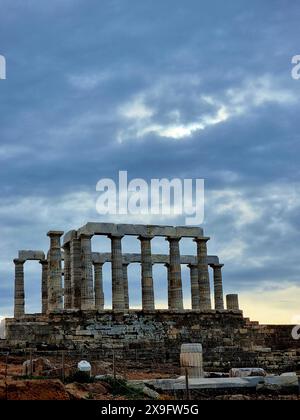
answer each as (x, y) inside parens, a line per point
(74, 314)
(72, 273)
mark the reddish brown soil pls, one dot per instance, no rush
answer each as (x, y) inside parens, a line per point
(33, 390)
(13, 387)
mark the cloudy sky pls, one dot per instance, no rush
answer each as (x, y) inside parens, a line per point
(196, 89)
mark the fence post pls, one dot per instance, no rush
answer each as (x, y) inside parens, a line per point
(187, 384)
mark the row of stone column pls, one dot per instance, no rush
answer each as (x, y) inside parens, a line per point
(19, 307)
(82, 292)
(83, 289)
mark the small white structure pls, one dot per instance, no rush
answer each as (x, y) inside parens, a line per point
(84, 366)
(191, 358)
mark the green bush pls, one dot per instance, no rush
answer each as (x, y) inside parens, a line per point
(80, 377)
(121, 387)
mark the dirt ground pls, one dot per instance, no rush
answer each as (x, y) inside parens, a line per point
(13, 386)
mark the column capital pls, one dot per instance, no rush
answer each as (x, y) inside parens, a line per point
(43, 262)
(173, 238)
(115, 236)
(145, 237)
(98, 264)
(17, 261)
(217, 265)
(53, 233)
(193, 265)
(201, 239)
(85, 236)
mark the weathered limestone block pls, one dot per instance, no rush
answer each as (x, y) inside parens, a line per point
(55, 290)
(195, 291)
(125, 285)
(19, 310)
(45, 274)
(31, 255)
(147, 275)
(76, 271)
(204, 285)
(98, 286)
(232, 302)
(218, 287)
(175, 274)
(118, 300)
(68, 292)
(87, 284)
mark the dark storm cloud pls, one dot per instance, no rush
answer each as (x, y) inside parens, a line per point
(198, 90)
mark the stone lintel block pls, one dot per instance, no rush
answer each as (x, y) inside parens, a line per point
(189, 232)
(139, 230)
(29, 255)
(97, 229)
(156, 258)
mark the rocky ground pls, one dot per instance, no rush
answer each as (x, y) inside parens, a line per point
(14, 386)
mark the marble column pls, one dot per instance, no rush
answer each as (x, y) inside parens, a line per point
(126, 288)
(195, 293)
(232, 303)
(19, 309)
(175, 274)
(118, 301)
(55, 290)
(218, 287)
(147, 274)
(169, 286)
(68, 300)
(87, 283)
(44, 264)
(76, 272)
(204, 285)
(98, 287)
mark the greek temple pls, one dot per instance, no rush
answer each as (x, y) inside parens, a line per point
(72, 275)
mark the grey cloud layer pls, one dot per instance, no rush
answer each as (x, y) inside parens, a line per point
(161, 90)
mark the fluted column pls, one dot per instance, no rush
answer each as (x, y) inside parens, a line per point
(169, 286)
(218, 287)
(125, 285)
(76, 272)
(68, 304)
(44, 264)
(55, 291)
(19, 309)
(98, 287)
(147, 274)
(232, 302)
(195, 293)
(175, 274)
(204, 285)
(118, 301)
(87, 283)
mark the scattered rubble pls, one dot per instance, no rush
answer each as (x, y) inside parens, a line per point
(37, 367)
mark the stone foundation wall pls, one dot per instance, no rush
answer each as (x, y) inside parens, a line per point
(228, 339)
